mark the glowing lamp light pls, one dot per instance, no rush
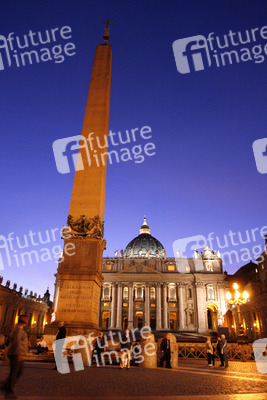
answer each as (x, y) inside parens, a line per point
(245, 295)
(237, 296)
(228, 296)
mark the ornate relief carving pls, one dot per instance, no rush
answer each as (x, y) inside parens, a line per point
(86, 227)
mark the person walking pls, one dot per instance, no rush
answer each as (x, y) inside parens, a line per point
(166, 351)
(61, 334)
(223, 346)
(210, 352)
(99, 347)
(126, 350)
(17, 350)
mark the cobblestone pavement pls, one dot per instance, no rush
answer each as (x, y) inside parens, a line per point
(194, 380)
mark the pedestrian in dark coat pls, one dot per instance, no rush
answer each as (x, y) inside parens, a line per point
(223, 346)
(166, 351)
(99, 347)
(219, 352)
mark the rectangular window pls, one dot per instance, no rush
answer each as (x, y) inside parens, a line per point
(107, 268)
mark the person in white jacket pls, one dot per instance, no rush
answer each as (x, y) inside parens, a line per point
(17, 349)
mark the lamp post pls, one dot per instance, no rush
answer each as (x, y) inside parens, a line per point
(237, 301)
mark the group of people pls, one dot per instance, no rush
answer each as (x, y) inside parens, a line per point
(220, 347)
(126, 349)
(18, 348)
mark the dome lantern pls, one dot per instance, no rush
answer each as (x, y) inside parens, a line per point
(144, 227)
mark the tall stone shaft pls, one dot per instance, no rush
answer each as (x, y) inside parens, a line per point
(79, 271)
(88, 194)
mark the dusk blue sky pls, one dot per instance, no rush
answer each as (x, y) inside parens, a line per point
(203, 177)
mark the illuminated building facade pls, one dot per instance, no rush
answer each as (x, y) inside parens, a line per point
(144, 287)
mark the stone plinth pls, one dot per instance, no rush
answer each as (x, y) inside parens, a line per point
(174, 351)
(149, 351)
(80, 280)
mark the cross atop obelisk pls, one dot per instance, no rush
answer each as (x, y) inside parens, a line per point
(106, 34)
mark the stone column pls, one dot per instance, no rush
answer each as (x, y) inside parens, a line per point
(147, 306)
(181, 306)
(130, 307)
(158, 305)
(119, 306)
(113, 306)
(201, 308)
(165, 307)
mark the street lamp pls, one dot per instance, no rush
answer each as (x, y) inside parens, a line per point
(237, 301)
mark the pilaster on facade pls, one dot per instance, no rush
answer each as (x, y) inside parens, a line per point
(147, 305)
(158, 307)
(165, 307)
(201, 307)
(130, 306)
(181, 305)
(113, 306)
(119, 306)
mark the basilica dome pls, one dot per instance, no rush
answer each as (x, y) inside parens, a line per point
(144, 245)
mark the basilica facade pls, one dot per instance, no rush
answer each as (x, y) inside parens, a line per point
(144, 287)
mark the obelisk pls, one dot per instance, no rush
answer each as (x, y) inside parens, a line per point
(80, 274)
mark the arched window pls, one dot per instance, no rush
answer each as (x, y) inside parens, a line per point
(106, 291)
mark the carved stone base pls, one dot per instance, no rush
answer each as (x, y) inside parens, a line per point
(80, 280)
